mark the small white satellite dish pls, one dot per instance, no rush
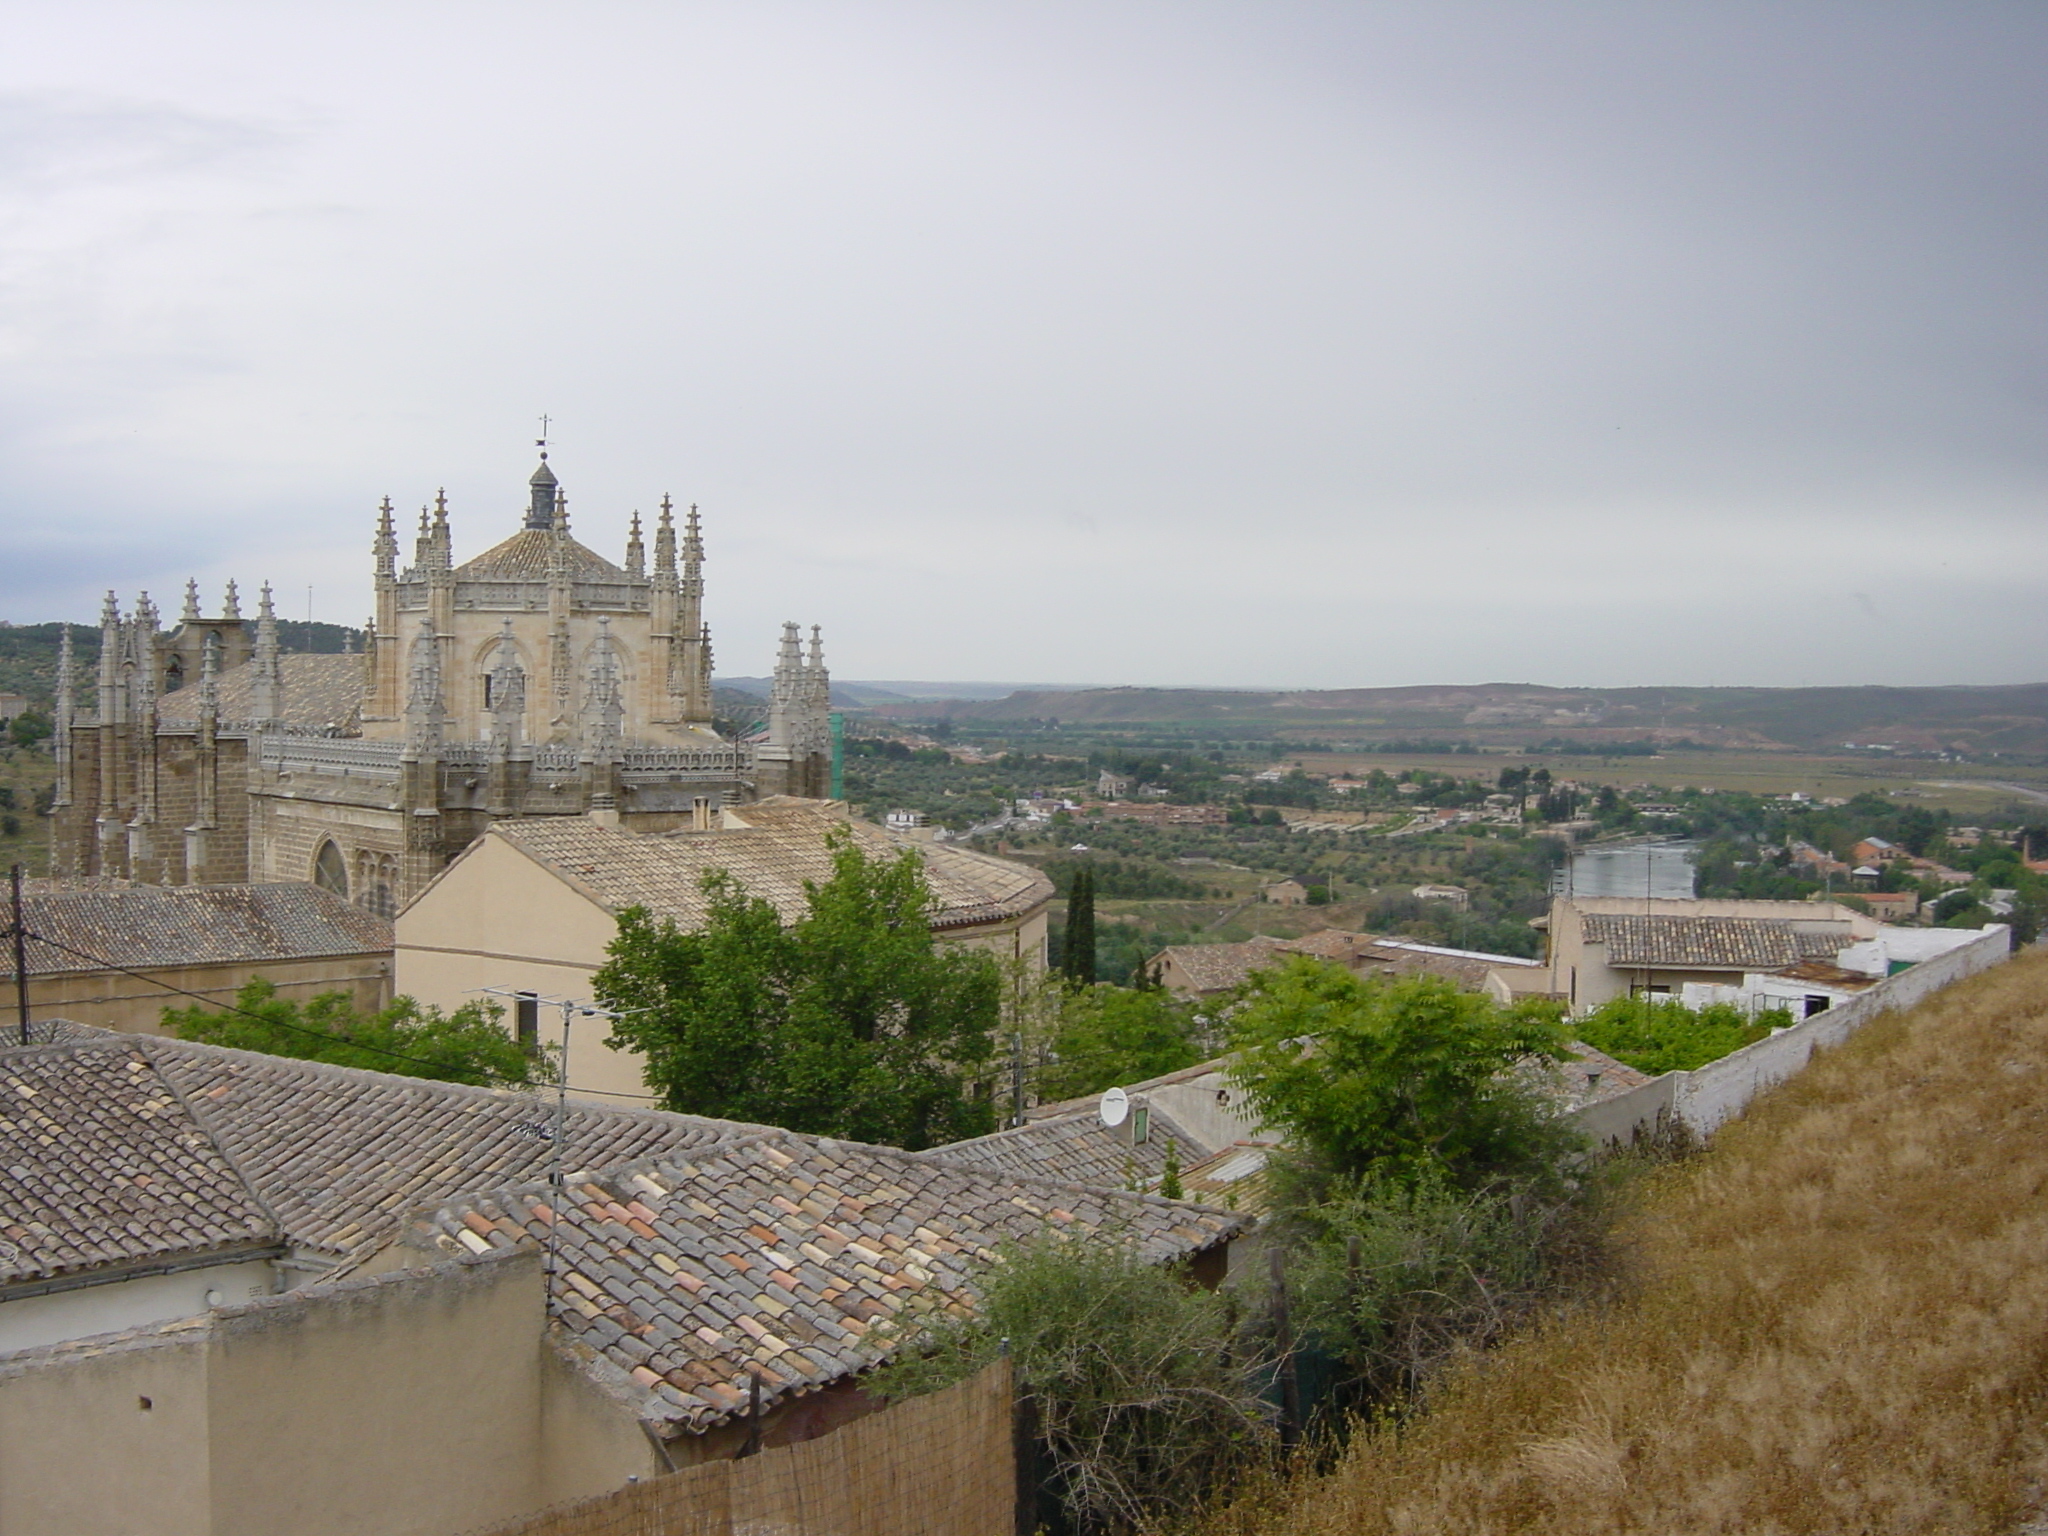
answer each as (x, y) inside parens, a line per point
(1116, 1104)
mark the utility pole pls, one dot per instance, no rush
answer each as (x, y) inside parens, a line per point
(20, 957)
(572, 1009)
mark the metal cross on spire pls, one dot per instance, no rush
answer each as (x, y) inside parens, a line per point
(542, 442)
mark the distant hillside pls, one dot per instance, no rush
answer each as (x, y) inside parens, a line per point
(2011, 719)
(852, 694)
(28, 653)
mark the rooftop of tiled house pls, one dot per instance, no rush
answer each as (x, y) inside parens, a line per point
(84, 926)
(692, 1251)
(784, 847)
(795, 1257)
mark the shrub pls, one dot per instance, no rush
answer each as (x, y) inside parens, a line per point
(1397, 1078)
(1145, 1399)
(1661, 1034)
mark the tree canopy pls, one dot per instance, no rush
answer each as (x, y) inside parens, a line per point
(848, 1022)
(1109, 1035)
(466, 1046)
(1395, 1078)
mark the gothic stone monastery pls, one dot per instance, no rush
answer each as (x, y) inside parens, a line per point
(537, 679)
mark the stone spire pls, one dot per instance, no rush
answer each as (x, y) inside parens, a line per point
(786, 689)
(636, 552)
(423, 543)
(209, 678)
(386, 544)
(665, 546)
(508, 692)
(61, 740)
(540, 508)
(424, 718)
(206, 766)
(231, 603)
(111, 633)
(266, 693)
(603, 709)
(191, 613)
(444, 543)
(693, 554)
(561, 524)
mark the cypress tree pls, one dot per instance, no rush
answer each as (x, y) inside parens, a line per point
(1077, 956)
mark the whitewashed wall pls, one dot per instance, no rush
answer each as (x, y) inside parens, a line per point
(1713, 1095)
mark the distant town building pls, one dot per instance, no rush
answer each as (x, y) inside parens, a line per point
(1284, 893)
(12, 705)
(1455, 897)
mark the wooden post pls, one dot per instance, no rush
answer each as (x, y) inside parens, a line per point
(20, 958)
(753, 1441)
(1283, 1336)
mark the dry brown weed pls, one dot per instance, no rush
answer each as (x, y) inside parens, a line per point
(1841, 1324)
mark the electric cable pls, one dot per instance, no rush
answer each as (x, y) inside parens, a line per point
(317, 1034)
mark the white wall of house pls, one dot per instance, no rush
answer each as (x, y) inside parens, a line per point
(29, 1322)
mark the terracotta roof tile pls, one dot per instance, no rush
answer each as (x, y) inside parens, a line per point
(527, 556)
(321, 693)
(771, 860)
(699, 1324)
(103, 1164)
(1077, 1148)
(1712, 943)
(154, 925)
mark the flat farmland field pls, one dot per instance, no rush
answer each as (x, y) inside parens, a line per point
(1960, 787)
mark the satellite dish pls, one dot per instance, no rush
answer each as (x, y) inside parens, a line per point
(1116, 1104)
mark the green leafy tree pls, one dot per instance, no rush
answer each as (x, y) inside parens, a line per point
(1109, 1035)
(1077, 954)
(469, 1045)
(29, 727)
(1661, 1034)
(849, 1022)
(1396, 1078)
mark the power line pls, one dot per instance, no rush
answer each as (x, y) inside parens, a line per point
(317, 1034)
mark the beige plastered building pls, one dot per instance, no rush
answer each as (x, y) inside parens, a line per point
(532, 905)
(1601, 948)
(116, 955)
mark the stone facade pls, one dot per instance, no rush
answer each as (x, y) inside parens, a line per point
(537, 679)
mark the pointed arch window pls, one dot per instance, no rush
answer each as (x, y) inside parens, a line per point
(330, 869)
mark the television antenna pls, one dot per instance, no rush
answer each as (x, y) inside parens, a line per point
(572, 1009)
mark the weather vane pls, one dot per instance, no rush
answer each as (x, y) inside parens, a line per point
(542, 442)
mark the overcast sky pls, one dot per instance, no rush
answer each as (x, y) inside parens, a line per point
(1256, 344)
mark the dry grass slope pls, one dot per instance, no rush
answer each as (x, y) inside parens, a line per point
(1840, 1323)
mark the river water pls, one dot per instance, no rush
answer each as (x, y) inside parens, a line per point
(1646, 869)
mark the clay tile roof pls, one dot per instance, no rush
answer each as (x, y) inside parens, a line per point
(1077, 1148)
(1218, 967)
(526, 556)
(1708, 943)
(786, 1255)
(102, 1165)
(147, 926)
(343, 1155)
(771, 860)
(321, 693)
